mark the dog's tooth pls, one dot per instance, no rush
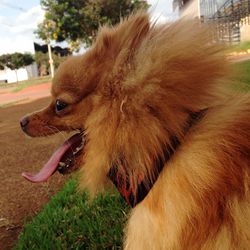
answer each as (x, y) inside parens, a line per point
(77, 149)
(62, 164)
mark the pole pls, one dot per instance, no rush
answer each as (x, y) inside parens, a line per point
(16, 76)
(51, 63)
(199, 8)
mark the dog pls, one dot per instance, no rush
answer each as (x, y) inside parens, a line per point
(155, 117)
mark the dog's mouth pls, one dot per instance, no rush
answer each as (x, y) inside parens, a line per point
(65, 159)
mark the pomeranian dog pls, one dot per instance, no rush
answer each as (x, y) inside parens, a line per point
(154, 120)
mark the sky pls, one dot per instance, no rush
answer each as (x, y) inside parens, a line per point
(19, 19)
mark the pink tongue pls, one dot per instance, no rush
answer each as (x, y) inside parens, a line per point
(51, 166)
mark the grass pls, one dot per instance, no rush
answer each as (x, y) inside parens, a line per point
(71, 221)
(241, 47)
(242, 76)
(23, 84)
(35, 81)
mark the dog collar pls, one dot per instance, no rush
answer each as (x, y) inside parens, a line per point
(134, 194)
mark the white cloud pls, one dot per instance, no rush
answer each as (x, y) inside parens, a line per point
(16, 44)
(162, 11)
(23, 28)
(159, 18)
(35, 13)
(17, 35)
(27, 22)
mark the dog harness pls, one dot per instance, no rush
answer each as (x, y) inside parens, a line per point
(118, 172)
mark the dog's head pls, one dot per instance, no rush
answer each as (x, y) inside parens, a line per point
(127, 95)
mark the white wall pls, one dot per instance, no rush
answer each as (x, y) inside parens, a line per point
(191, 9)
(32, 70)
(22, 73)
(245, 30)
(3, 75)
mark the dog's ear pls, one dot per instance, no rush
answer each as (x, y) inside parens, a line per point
(126, 35)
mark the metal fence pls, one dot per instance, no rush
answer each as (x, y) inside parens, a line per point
(228, 17)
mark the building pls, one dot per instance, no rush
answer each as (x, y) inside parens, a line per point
(232, 17)
(55, 49)
(188, 8)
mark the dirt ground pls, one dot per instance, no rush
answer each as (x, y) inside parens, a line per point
(20, 200)
(7, 96)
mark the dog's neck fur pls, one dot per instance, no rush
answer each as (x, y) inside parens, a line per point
(134, 193)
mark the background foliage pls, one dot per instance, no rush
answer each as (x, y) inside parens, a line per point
(16, 60)
(78, 20)
(42, 60)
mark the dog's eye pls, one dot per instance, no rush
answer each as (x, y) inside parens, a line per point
(60, 105)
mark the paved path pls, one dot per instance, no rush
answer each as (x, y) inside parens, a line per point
(25, 95)
(239, 58)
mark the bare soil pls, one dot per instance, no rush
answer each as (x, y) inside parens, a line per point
(20, 200)
(8, 97)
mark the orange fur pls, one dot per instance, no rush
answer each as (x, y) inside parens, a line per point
(131, 91)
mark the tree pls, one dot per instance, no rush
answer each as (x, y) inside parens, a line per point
(43, 62)
(16, 61)
(4, 60)
(78, 20)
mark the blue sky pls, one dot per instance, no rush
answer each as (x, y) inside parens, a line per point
(19, 19)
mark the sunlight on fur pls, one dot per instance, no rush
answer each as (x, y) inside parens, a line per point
(131, 92)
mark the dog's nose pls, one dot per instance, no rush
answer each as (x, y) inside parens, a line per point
(24, 122)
